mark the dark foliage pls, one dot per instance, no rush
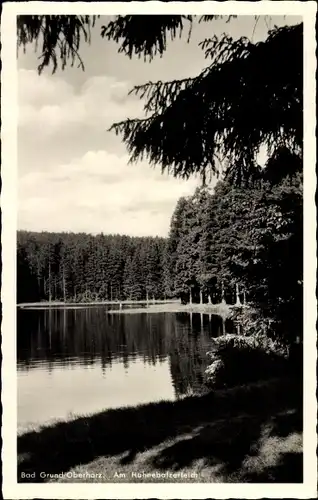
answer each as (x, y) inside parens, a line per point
(60, 37)
(250, 95)
(80, 267)
(241, 359)
(144, 35)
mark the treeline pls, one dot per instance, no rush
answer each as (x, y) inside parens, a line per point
(232, 244)
(83, 267)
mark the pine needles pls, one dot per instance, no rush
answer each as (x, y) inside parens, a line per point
(250, 95)
(60, 37)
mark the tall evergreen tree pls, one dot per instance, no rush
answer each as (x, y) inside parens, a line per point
(171, 251)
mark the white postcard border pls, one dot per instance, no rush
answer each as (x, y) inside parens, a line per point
(9, 114)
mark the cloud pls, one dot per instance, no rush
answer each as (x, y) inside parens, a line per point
(100, 192)
(42, 90)
(71, 176)
(50, 105)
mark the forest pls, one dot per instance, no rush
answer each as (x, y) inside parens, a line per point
(83, 268)
(245, 239)
(241, 239)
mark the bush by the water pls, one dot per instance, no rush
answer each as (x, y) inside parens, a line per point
(239, 359)
(281, 322)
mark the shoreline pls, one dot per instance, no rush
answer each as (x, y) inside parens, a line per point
(219, 309)
(58, 304)
(152, 307)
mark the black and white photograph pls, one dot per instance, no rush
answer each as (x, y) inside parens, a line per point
(163, 299)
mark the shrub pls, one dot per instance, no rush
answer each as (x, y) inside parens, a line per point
(239, 359)
(281, 322)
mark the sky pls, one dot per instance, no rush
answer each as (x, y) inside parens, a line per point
(73, 175)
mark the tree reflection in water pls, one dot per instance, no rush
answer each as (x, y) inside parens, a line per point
(89, 335)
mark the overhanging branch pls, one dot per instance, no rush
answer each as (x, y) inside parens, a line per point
(250, 95)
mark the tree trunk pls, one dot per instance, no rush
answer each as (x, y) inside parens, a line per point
(223, 326)
(238, 301)
(223, 297)
(38, 274)
(64, 292)
(50, 291)
(201, 297)
(190, 295)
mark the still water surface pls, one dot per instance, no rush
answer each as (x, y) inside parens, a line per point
(79, 361)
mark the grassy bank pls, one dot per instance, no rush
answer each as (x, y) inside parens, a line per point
(246, 434)
(176, 307)
(157, 306)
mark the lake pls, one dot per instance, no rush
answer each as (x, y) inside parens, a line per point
(84, 360)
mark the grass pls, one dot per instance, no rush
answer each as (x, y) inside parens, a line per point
(245, 434)
(176, 307)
